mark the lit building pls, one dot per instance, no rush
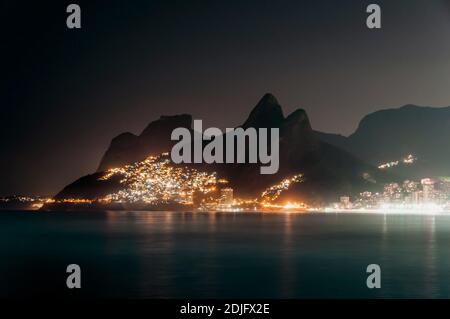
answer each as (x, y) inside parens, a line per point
(428, 189)
(226, 196)
(416, 197)
(410, 186)
(444, 186)
(345, 202)
(390, 189)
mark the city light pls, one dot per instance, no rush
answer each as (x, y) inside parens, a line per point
(408, 160)
(427, 196)
(156, 181)
(273, 192)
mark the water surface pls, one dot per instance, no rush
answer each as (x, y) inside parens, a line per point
(224, 255)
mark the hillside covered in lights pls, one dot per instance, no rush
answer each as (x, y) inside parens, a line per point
(157, 183)
(126, 176)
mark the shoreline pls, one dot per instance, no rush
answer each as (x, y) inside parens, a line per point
(243, 212)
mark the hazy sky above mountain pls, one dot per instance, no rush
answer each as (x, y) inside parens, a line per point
(66, 93)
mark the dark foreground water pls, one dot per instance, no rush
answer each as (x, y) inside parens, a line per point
(224, 255)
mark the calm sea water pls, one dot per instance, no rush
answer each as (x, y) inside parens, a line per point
(224, 255)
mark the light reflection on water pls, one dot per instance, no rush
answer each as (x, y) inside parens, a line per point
(225, 255)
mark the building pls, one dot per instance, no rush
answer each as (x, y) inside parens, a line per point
(390, 189)
(345, 202)
(410, 186)
(226, 196)
(428, 189)
(416, 197)
(444, 186)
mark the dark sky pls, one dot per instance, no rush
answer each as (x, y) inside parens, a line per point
(66, 93)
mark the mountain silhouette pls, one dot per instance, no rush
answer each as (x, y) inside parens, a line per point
(392, 134)
(267, 113)
(128, 148)
(327, 170)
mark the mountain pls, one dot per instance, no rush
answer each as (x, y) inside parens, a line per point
(267, 113)
(327, 171)
(128, 148)
(392, 134)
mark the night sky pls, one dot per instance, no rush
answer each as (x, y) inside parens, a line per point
(65, 93)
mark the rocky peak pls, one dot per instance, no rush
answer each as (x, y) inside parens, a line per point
(267, 113)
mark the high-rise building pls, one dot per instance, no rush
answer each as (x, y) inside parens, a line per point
(390, 189)
(428, 189)
(410, 186)
(444, 185)
(416, 197)
(226, 196)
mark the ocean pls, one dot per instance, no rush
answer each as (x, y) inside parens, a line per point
(223, 255)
